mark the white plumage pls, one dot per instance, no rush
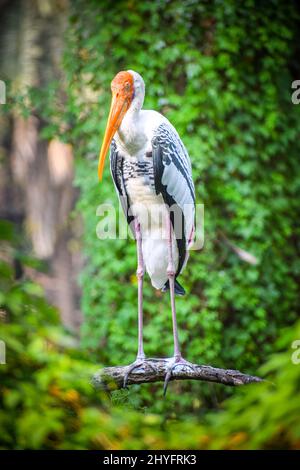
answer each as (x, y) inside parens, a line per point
(133, 143)
(151, 211)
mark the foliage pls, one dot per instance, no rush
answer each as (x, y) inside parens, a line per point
(45, 399)
(260, 416)
(47, 402)
(221, 72)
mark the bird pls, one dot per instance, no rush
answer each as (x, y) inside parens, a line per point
(152, 175)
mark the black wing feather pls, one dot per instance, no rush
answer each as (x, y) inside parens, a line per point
(171, 167)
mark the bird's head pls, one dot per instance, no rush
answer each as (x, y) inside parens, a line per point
(125, 87)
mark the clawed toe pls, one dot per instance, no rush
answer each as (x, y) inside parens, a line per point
(175, 363)
(135, 365)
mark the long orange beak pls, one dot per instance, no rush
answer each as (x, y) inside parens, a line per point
(118, 108)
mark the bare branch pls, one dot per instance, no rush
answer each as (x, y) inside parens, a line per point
(242, 254)
(154, 370)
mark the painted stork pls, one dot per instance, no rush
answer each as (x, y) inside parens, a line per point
(152, 174)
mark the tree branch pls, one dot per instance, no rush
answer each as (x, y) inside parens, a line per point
(154, 370)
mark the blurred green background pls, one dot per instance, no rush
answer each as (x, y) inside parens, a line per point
(222, 73)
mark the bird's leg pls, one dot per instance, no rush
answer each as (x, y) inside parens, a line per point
(140, 276)
(140, 358)
(177, 358)
(171, 277)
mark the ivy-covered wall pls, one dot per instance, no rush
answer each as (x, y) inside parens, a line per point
(221, 72)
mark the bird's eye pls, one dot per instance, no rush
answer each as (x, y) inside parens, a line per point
(127, 86)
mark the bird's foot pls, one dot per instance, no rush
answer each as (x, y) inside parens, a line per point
(139, 362)
(174, 362)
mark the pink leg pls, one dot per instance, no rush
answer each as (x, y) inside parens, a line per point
(177, 359)
(171, 276)
(140, 358)
(140, 276)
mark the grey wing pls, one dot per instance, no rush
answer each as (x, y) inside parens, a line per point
(173, 180)
(116, 168)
